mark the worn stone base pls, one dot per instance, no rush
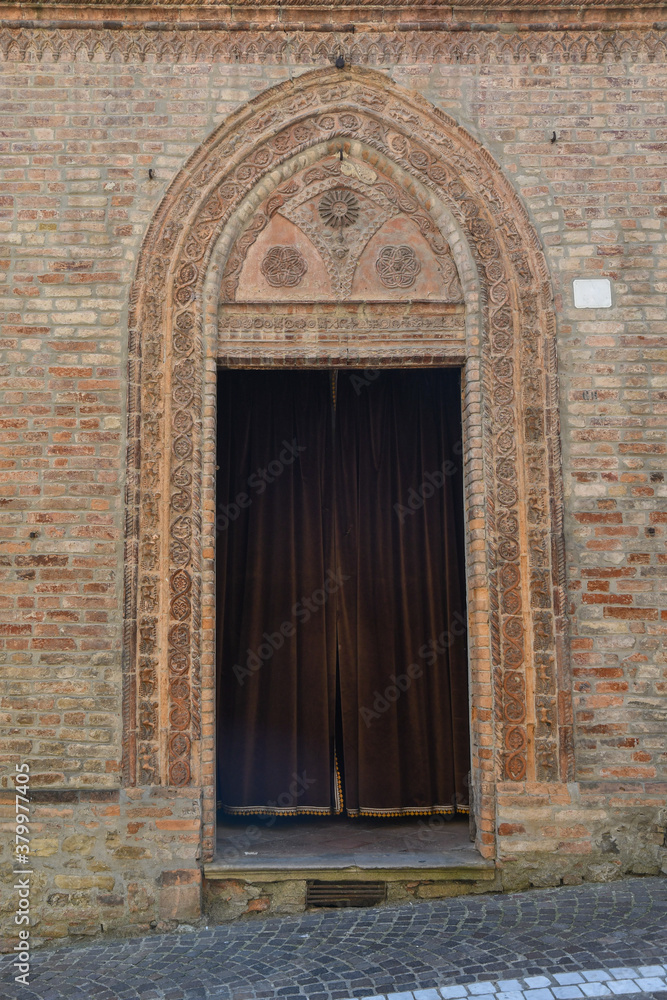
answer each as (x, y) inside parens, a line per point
(265, 894)
(545, 871)
(583, 832)
(273, 893)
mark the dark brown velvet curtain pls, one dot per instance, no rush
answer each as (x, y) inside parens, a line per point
(341, 594)
(402, 652)
(277, 653)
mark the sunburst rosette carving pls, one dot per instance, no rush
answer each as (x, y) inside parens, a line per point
(339, 208)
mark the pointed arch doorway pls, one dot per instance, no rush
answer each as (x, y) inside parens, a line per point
(186, 319)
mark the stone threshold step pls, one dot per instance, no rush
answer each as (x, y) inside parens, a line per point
(291, 870)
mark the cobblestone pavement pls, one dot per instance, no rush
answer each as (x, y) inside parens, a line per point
(547, 944)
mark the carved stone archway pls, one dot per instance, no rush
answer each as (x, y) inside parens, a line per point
(521, 722)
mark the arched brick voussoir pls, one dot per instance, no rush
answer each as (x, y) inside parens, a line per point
(518, 426)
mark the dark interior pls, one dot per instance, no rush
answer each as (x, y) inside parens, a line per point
(342, 660)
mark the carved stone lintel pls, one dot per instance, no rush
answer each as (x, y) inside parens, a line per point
(338, 335)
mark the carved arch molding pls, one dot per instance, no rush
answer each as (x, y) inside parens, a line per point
(520, 691)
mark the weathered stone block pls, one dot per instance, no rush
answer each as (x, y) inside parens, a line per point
(180, 902)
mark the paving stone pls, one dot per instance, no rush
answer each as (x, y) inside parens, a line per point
(549, 944)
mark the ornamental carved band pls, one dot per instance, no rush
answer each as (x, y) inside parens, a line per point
(453, 46)
(519, 424)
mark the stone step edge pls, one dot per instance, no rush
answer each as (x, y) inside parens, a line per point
(483, 872)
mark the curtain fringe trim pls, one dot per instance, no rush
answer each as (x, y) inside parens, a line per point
(340, 804)
(425, 811)
(278, 810)
(352, 814)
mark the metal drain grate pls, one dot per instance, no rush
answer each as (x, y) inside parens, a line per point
(320, 893)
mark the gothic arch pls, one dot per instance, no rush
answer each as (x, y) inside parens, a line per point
(520, 693)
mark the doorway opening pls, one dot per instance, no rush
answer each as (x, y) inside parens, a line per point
(341, 607)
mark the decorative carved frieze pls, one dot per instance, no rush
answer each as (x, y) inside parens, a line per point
(245, 320)
(333, 335)
(313, 48)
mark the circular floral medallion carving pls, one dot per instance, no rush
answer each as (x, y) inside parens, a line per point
(398, 267)
(179, 772)
(284, 267)
(339, 208)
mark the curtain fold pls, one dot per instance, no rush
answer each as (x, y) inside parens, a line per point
(276, 587)
(341, 594)
(402, 643)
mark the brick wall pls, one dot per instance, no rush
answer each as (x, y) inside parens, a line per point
(84, 115)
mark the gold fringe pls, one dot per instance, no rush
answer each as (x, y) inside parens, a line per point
(276, 811)
(424, 811)
(352, 813)
(339, 784)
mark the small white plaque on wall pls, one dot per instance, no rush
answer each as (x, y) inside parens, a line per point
(592, 293)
